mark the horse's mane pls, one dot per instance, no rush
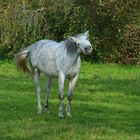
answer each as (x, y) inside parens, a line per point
(71, 46)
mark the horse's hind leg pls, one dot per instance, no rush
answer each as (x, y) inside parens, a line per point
(70, 94)
(48, 84)
(36, 75)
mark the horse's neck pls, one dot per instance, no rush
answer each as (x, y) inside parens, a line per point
(69, 59)
(72, 58)
(75, 58)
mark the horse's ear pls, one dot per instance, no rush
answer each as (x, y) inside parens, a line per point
(87, 33)
(73, 39)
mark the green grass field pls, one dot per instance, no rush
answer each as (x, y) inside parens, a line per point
(106, 105)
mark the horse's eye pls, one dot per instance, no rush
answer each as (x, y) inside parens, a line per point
(78, 44)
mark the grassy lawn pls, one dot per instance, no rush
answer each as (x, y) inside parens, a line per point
(106, 105)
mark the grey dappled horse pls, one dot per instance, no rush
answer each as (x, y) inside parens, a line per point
(55, 59)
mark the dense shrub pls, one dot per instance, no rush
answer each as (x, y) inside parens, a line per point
(19, 28)
(24, 22)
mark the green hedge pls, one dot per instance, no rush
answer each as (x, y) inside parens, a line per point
(25, 22)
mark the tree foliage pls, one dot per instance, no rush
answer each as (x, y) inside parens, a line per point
(109, 22)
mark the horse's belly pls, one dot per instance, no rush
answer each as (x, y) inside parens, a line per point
(48, 68)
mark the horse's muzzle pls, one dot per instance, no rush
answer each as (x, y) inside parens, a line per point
(88, 49)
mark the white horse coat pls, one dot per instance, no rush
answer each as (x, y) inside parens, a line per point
(55, 59)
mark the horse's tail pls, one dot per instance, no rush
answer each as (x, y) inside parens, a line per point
(20, 59)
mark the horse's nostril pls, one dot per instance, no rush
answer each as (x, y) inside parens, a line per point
(89, 46)
(86, 49)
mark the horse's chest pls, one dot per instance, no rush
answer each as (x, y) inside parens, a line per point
(74, 70)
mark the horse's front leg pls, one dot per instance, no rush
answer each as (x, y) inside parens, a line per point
(70, 94)
(61, 79)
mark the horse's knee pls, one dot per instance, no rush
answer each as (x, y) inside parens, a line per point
(69, 97)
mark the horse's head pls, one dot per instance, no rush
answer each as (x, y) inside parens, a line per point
(82, 42)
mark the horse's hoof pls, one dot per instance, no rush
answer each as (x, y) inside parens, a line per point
(68, 114)
(61, 115)
(47, 111)
(39, 111)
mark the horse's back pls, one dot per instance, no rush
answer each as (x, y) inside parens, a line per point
(44, 43)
